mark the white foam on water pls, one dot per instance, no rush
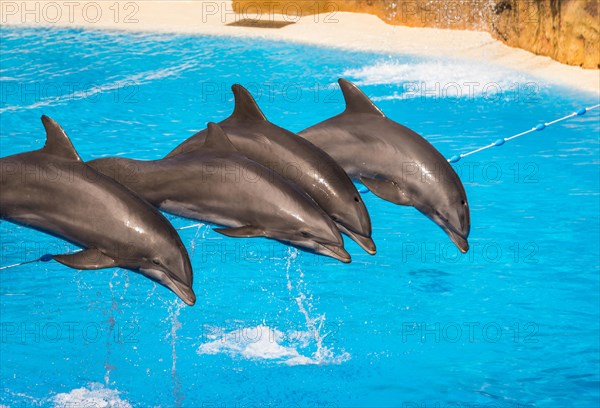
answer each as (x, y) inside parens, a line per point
(96, 396)
(130, 81)
(455, 79)
(33, 402)
(264, 343)
(259, 342)
(292, 347)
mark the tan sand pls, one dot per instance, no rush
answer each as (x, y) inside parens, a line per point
(345, 30)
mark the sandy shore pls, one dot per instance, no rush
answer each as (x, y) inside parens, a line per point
(344, 30)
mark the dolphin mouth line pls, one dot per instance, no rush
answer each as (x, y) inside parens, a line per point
(365, 242)
(459, 239)
(185, 293)
(336, 251)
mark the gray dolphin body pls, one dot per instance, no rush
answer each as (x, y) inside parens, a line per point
(53, 191)
(297, 160)
(219, 185)
(394, 162)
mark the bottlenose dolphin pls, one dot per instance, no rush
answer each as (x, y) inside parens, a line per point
(394, 162)
(219, 185)
(297, 160)
(53, 191)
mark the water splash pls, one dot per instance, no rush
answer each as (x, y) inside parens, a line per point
(111, 320)
(174, 311)
(480, 15)
(315, 325)
(256, 343)
(21, 397)
(96, 396)
(202, 228)
(442, 79)
(292, 347)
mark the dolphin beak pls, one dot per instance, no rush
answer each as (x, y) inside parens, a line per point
(460, 241)
(335, 251)
(184, 292)
(365, 243)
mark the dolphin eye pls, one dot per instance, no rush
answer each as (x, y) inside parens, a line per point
(356, 199)
(304, 234)
(156, 262)
(463, 202)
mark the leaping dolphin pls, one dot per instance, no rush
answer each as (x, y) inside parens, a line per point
(295, 159)
(394, 162)
(53, 191)
(219, 185)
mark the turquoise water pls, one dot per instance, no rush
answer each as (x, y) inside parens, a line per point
(514, 323)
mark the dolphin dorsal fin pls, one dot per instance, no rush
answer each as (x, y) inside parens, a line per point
(246, 107)
(356, 100)
(217, 139)
(57, 141)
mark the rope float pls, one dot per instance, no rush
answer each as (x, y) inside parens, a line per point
(453, 159)
(538, 128)
(43, 258)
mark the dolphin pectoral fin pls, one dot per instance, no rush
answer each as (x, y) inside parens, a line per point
(247, 231)
(91, 258)
(386, 189)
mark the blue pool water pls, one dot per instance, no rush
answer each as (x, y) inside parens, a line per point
(514, 323)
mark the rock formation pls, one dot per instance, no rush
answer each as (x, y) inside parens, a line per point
(565, 30)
